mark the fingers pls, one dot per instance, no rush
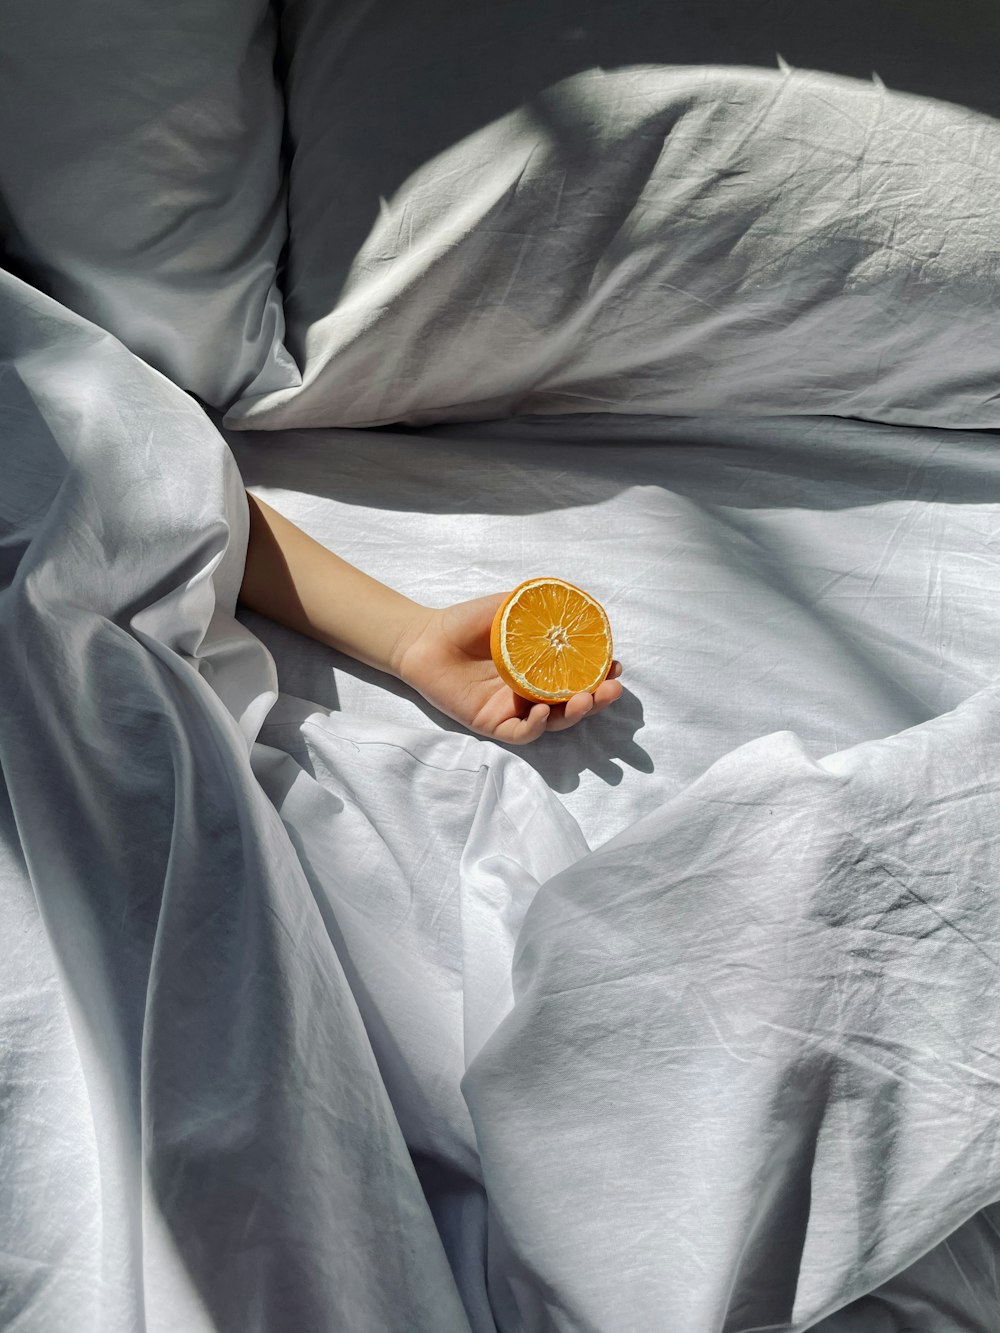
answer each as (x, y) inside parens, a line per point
(534, 720)
(586, 705)
(524, 730)
(606, 694)
(576, 709)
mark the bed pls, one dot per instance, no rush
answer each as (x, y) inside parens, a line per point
(318, 1012)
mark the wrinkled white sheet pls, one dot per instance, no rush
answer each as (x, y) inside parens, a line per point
(831, 578)
(304, 997)
(671, 240)
(765, 1018)
(196, 1129)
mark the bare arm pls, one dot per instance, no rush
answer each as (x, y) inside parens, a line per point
(296, 581)
(442, 652)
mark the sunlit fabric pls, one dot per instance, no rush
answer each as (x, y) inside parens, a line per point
(197, 1134)
(661, 239)
(317, 1014)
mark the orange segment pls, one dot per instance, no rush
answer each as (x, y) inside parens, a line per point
(550, 640)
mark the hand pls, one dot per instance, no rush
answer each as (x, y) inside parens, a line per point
(445, 654)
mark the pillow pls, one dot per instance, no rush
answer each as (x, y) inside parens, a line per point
(140, 173)
(667, 239)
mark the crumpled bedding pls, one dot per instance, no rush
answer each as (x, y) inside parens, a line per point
(661, 239)
(314, 1018)
(780, 990)
(196, 1132)
(825, 577)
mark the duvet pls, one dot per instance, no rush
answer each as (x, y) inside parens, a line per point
(311, 1019)
(321, 1015)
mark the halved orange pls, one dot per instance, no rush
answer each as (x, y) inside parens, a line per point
(550, 640)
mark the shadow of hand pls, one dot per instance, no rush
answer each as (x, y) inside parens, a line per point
(561, 757)
(595, 743)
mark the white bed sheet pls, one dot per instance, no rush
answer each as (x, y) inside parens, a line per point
(315, 1014)
(829, 577)
(752, 1036)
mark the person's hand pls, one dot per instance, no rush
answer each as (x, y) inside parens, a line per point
(445, 654)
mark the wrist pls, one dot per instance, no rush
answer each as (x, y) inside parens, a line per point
(415, 622)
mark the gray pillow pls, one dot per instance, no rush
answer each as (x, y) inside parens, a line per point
(140, 173)
(665, 239)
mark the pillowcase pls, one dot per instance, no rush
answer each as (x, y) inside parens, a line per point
(654, 239)
(140, 172)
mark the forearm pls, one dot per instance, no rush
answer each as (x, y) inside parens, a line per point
(296, 581)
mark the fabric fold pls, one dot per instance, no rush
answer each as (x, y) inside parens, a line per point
(228, 1157)
(753, 1048)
